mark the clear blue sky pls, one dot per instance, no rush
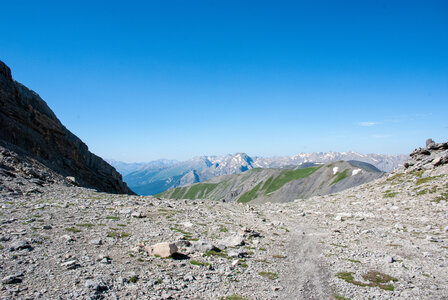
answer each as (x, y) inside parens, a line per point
(142, 80)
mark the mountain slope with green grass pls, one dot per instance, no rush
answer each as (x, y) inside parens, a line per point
(279, 185)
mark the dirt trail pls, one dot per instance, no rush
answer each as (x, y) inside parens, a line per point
(304, 276)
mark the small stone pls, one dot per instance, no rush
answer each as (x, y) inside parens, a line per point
(71, 264)
(203, 246)
(162, 249)
(233, 241)
(432, 239)
(105, 260)
(445, 229)
(235, 262)
(187, 224)
(47, 227)
(137, 214)
(399, 226)
(71, 179)
(90, 284)
(11, 279)
(429, 143)
(20, 245)
(66, 238)
(237, 253)
(389, 259)
(189, 277)
(96, 242)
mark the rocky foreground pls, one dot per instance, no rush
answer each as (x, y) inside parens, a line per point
(385, 239)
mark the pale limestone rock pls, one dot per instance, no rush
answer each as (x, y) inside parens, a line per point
(162, 249)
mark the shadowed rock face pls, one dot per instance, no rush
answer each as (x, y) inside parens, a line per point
(26, 121)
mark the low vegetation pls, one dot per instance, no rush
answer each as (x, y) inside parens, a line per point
(234, 297)
(118, 234)
(389, 194)
(340, 176)
(373, 278)
(275, 183)
(250, 195)
(268, 275)
(199, 263)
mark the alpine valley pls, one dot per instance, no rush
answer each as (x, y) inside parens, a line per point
(158, 176)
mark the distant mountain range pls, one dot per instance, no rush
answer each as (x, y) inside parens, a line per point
(158, 176)
(279, 185)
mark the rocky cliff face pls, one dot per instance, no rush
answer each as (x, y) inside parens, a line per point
(28, 123)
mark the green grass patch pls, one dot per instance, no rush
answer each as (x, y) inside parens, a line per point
(397, 178)
(72, 229)
(352, 260)
(199, 263)
(115, 218)
(426, 179)
(233, 297)
(338, 245)
(389, 194)
(374, 278)
(443, 196)
(422, 192)
(268, 275)
(88, 225)
(340, 176)
(200, 190)
(118, 234)
(275, 183)
(339, 297)
(217, 253)
(178, 193)
(250, 195)
(180, 230)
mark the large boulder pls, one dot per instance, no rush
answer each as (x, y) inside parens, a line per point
(162, 249)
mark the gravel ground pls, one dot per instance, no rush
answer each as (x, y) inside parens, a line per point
(382, 240)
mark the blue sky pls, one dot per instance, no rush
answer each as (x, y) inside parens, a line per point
(142, 80)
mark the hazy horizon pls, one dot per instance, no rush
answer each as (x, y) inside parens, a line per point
(148, 80)
(250, 155)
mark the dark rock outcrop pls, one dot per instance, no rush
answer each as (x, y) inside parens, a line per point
(431, 157)
(27, 122)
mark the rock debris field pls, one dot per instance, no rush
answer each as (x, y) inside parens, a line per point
(385, 239)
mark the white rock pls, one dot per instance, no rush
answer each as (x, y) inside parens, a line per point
(137, 214)
(162, 249)
(233, 241)
(187, 224)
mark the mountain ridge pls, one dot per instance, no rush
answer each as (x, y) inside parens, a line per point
(279, 185)
(152, 178)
